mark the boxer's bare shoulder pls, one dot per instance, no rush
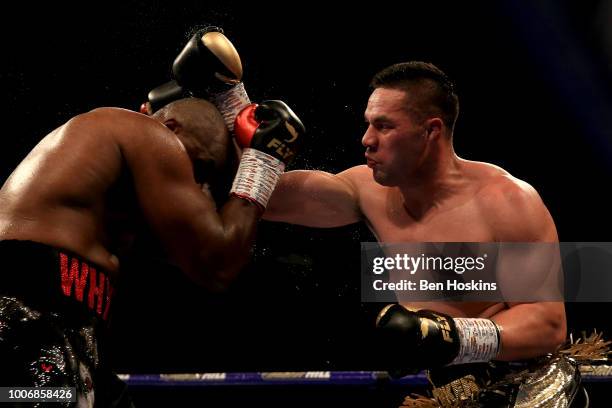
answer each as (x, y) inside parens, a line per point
(512, 207)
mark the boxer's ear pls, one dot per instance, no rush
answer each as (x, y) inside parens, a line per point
(433, 127)
(172, 124)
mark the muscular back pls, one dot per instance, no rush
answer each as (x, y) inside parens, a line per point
(73, 190)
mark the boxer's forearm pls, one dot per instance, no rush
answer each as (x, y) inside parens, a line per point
(531, 329)
(228, 250)
(289, 197)
(314, 199)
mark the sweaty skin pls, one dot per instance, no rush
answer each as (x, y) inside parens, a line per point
(416, 189)
(88, 183)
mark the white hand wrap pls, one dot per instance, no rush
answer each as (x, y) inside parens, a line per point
(479, 339)
(230, 103)
(257, 176)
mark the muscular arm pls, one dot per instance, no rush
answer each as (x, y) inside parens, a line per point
(209, 246)
(529, 329)
(315, 199)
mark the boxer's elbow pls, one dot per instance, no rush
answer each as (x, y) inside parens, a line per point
(212, 278)
(217, 271)
(559, 336)
(216, 261)
(217, 281)
(221, 277)
(556, 331)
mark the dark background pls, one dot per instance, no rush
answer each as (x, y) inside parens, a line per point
(534, 80)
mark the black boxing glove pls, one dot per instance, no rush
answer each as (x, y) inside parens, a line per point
(209, 67)
(423, 339)
(208, 64)
(163, 95)
(271, 127)
(269, 134)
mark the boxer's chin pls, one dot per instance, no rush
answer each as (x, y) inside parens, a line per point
(382, 178)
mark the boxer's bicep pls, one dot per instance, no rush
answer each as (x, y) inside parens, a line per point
(516, 213)
(315, 199)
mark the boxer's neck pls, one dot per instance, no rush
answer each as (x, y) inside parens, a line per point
(439, 178)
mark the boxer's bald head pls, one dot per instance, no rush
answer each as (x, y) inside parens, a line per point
(200, 127)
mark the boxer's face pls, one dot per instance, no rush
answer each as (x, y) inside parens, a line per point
(201, 130)
(214, 161)
(395, 143)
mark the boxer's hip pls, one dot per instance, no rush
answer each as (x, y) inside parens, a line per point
(53, 280)
(53, 308)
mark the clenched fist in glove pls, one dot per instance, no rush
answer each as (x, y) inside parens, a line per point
(269, 134)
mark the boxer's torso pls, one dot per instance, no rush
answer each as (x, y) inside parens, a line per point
(463, 216)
